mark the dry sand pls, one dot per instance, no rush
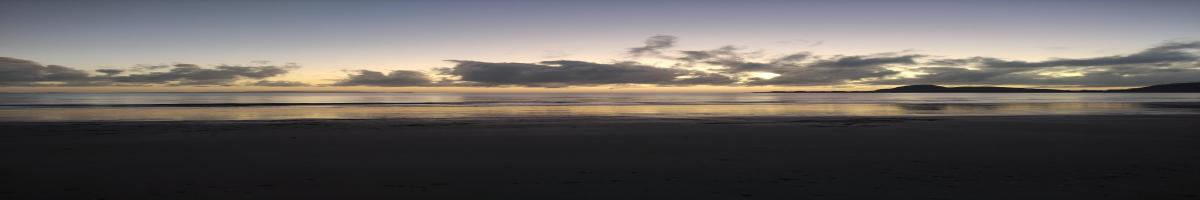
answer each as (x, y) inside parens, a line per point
(1026, 157)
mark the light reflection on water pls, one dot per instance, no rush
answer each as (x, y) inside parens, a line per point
(251, 106)
(654, 111)
(591, 99)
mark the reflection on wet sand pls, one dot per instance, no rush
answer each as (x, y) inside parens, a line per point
(663, 111)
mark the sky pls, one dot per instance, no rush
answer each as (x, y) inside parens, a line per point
(592, 46)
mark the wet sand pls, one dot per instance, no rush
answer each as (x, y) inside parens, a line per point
(1017, 157)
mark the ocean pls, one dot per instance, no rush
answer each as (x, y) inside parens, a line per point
(282, 106)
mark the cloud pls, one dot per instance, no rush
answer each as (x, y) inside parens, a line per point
(565, 73)
(110, 72)
(1126, 76)
(1100, 76)
(801, 68)
(795, 57)
(392, 79)
(701, 78)
(835, 71)
(866, 61)
(267, 83)
(726, 66)
(731, 60)
(190, 74)
(1166, 63)
(654, 46)
(956, 75)
(18, 72)
(1164, 53)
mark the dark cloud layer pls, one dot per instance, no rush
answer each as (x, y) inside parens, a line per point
(728, 66)
(1166, 63)
(833, 71)
(798, 68)
(391, 79)
(1165, 53)
(189, 74)
(110, 72)
(572, 73)
(18, 72)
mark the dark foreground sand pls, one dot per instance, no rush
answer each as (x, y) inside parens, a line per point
(1028, 157)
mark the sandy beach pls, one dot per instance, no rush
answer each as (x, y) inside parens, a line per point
(1016, 157)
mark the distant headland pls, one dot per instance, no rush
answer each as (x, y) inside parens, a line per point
(1164, 88)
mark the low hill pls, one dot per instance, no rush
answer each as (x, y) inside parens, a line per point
(1174, 87)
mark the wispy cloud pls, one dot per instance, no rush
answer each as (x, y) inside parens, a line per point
(654, 46)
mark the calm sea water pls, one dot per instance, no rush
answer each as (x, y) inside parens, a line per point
(272, 106)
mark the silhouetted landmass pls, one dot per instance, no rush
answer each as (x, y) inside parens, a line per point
(1174, 87)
